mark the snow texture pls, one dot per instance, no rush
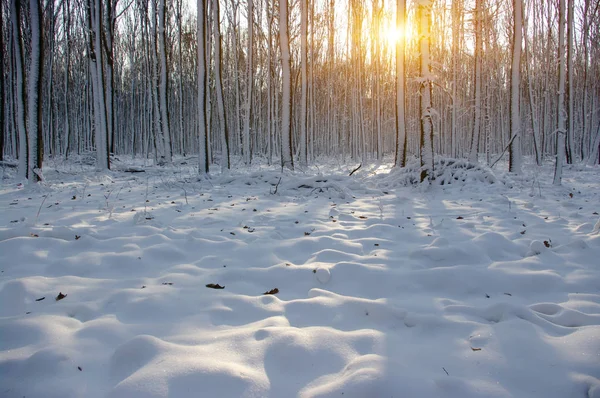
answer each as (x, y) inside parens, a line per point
(377, 289)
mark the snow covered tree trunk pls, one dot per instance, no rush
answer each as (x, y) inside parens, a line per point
(286, 98)
(202, 82)
(249, 84)
(15, 16)
(477, 86)
(400, 160)
(180, 81)
(219, 87)
(3, 100)
(34, 93)
(304, 83)
(455, 56)
(96, 59)
(570, 82)
(164, 82)
(424, 21)
(560, 111)
(515, 157)
(67, 28)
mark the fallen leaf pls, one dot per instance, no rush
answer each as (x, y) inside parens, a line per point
(507, 294)
(215, 286)
(475, 349)
(77, 237)
(547, 244)
(306, 233)
(168, 283)
(79, 367)
(362, 217)
(460, 218)
(60, 296)
(34, 235)
(272, 291)
(40, 299)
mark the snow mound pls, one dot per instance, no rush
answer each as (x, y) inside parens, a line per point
(447, 171)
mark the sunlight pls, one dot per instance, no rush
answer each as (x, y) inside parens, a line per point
(392, 34)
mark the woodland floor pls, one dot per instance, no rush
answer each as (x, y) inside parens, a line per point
(487, 287)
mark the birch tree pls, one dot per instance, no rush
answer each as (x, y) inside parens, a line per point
(304, 83)
(425, 107)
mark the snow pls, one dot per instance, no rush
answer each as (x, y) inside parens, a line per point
(475, 288)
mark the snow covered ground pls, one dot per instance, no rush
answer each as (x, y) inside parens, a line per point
(484, 288)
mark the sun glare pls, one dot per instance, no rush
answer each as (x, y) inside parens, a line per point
(392, 34)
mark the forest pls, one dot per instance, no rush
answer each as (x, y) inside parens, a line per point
(299, 198)
(291, 82)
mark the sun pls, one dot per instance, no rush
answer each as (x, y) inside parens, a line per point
(392, 34)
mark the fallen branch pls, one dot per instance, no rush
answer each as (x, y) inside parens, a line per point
(504, 151)
(355, 170)
(277, 186)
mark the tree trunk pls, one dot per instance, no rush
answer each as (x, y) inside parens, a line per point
(561, 130)
(163, 88)
(219, 87)
(249, 84)
(477, 86)
(424, 20)
(400, 160)
(34, 93)
(202, 83)
(515, 158)
(286, 98)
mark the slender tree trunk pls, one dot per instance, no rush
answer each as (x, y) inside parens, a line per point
(561, 131)
(20, 89)
(249, 83)
(34, 93)
(304, 83)
(570, 82)
(286, 99)
(219, 87)
(163, 88)
(202, 83)
(477, 86)
(401, 140)
(424, 20)
(514, 165)
(3, 100)
(67, 28)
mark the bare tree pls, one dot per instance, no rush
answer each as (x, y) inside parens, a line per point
(400, 160)
(218, 51)
(477, 20)
(202, 83)
(425, 106)
(515, 157)
(15, 16)
(286, 98)
(249, 83)
(561, 112)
